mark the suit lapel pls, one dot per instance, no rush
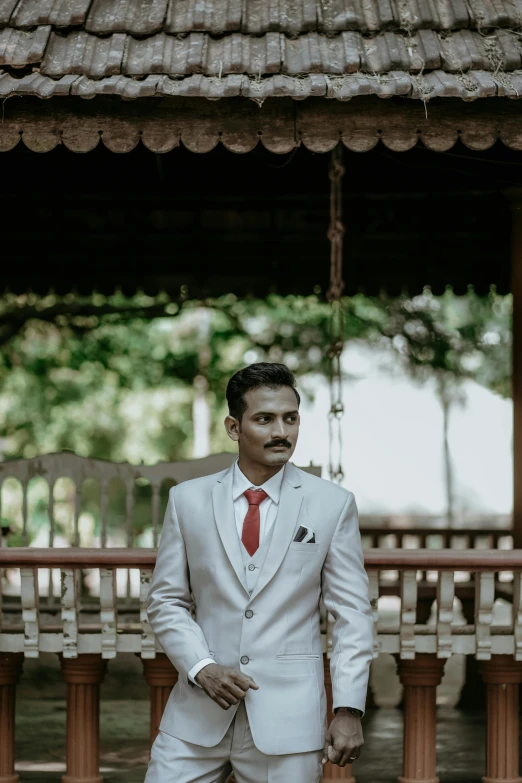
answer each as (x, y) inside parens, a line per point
(226, 523)
(285, 526)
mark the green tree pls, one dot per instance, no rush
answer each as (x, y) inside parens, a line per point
(82, 373)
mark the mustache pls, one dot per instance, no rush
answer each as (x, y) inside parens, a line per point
(283, 442)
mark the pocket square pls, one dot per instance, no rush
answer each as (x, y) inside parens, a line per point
(304, 535)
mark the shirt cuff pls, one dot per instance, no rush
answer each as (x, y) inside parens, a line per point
(197, 668)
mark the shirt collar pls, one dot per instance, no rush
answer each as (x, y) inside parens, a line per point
(272, 487)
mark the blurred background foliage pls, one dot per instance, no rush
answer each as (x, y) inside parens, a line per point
(120, 379)
(116, 378)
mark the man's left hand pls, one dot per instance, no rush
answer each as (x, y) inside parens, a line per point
(344, 739)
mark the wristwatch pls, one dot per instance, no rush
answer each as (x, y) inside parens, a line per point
(352, 710)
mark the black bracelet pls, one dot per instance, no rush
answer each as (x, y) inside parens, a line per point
(352, 710)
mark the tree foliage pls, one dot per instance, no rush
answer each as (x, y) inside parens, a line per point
(113, 377)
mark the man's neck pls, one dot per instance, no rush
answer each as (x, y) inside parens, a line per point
(257, 474)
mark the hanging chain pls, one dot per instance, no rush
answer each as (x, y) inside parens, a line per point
(335, 235)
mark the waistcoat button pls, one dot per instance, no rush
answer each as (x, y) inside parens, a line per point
(251, 567)
(245, 659)
(249, 613)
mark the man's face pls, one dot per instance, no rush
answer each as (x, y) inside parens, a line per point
(268, 431)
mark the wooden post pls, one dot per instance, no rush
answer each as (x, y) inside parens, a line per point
(83, 676)
(502, 675)
(516, 288)
(10, 670)
(420, 678)
(161, 676)
(332, 772)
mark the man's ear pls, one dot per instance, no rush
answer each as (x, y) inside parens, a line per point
(233, 428)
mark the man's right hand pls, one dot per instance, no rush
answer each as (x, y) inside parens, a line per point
(225, 685)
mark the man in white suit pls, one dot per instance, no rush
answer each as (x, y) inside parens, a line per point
(252, 549)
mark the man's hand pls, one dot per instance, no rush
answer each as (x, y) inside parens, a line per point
(344, 739)
(225, 685)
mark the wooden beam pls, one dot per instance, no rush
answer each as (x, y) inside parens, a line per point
(239, 124)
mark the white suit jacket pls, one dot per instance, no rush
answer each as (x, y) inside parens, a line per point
(280, 644)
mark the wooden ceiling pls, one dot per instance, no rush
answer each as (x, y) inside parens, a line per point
(255, 223)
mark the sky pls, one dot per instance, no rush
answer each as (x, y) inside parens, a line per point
(393, 441)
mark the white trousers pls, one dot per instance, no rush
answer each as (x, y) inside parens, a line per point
(176, 761)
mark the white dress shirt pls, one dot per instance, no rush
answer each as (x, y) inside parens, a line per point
(267, 515)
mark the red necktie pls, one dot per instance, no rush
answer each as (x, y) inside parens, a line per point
(251, 524)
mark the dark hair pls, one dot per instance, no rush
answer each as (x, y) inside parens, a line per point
(252, 377)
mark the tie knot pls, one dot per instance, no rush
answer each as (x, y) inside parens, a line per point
(255, 496)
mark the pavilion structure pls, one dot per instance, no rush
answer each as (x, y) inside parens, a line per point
(424, 88)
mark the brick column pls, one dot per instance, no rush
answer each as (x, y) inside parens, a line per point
(10, 670)
(161, 676)
(83, 676)
(420, 678)
(502, 676)
(332, 772)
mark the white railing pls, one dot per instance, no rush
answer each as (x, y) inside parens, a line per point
(67, 500)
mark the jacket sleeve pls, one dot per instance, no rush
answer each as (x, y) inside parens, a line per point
(345, 595)
(169, 599)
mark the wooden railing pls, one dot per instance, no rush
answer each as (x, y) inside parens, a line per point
(88, 630)
(79, 501)
(414, 537)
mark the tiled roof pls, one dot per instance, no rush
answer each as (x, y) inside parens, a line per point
(261, 48)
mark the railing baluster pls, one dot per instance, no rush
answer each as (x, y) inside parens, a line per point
(517, 614)
(155, 513)
(77, 502)
(51, 514)
(108, 612)
(103, 513)
(408, 588)
(30, 614)
(129, 507)
(69, 612)
(25, 535)
(484, 600)
(148, 644)
(445, 598)
(50, 597)
(1, 534)
(373, 589)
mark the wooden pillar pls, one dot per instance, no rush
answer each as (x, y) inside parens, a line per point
(10, 670)
(502, 675)
(420, 678)
(83, 676)
(516, 288)
(332, 772)
(161, 676)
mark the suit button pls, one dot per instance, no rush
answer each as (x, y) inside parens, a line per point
(249, 613)
(251, 567)
(245, 659)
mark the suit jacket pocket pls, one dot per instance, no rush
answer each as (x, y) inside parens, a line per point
(298, 657)
(298, 546)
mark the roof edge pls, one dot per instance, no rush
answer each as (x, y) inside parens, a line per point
(239, 124)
